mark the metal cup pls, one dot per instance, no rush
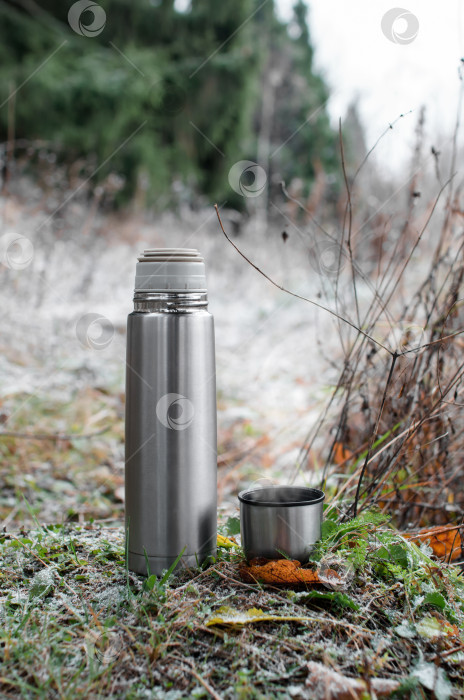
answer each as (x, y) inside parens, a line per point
(280, 521)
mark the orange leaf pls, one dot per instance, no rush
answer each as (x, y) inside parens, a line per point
(445, 541)
(280, 572)
(340, 453)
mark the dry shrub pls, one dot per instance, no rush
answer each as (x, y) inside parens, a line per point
(397, 299)
(400, 391)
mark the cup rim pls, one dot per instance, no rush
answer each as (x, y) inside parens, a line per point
(312, 496)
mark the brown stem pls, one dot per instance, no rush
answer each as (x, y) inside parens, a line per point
(374, 432)
(299, 296)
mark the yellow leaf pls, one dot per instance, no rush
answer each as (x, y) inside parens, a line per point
(431, 628)
(231, 617)
(225, 542)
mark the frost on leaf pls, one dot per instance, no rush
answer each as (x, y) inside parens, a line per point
(406, 630)
(433, 678)
(231, 617)
(324, 683)
(445, 541)
(43, 583)
(432, 628)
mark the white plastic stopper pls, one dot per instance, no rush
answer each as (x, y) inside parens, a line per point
(170, 269)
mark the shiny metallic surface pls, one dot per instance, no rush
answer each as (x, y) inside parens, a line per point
(280, 521)
(170, 302)
(171, 440)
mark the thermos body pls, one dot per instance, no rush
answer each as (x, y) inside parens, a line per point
(171, 438)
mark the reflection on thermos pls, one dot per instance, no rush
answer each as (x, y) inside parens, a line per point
(171, 441)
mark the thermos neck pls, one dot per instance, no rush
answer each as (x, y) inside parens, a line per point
(170, 302)
(170, 280)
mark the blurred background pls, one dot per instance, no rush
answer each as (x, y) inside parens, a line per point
(319, 129)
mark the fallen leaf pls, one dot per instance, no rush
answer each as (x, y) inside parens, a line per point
(433, 678)
(227, 542)
(334, 573)
(42, 584)
(431, 628)
(406, 630)
(445, 541)
(340, 454)
(279, 572)
(327, 684)
(230, 617)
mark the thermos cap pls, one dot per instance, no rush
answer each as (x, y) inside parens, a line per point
(170, 269)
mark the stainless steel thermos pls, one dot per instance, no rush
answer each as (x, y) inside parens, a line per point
(171, 440)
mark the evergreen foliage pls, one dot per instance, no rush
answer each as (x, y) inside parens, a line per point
(162, 95)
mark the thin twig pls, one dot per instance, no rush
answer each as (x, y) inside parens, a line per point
(299, 296)
(349, 212)
(374, 432)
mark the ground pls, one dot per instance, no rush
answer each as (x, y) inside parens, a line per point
(77, 624)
